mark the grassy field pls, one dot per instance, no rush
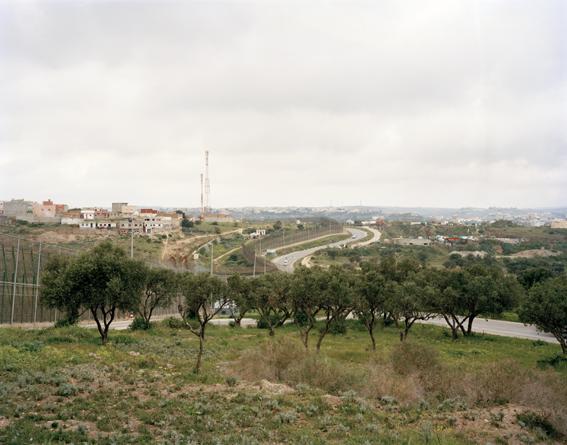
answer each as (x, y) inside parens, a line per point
(61, 386)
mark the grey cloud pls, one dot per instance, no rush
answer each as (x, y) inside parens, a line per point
(384, 102)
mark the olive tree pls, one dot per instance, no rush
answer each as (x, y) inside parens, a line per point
(409, 300)
(337, 298)
(485, 289)
(102, 281)
(305, 298)
(57, 290)
(447, 298)
(160, 287)
(205, 296)
(371, 298)
(271, 299)
(240, 289)
(546, 307)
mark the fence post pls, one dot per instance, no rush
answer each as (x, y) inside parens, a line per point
(15, 278)
(37, 284)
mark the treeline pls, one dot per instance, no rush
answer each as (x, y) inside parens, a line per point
(394, 291)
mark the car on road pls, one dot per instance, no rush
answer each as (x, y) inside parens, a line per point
(353, 237)
(285, 262)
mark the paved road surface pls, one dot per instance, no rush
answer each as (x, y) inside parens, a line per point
(375, 238)
(493, 327)
(504, 328)
(286, 262)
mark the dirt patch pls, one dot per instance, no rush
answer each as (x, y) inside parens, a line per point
(498, 421)
(276, 388)
(533, 253)
(332, 401)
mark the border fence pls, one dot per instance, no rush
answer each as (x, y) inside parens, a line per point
(280, 239)
(21, 264)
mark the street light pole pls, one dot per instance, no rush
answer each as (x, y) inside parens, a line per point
(131, 221)
(212, 254)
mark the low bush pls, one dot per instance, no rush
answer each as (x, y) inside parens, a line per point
(270, 360)
(262, 323)
(174, 323)
(534, 421)
(338, 328)
(285, 360)
(64, 323)
(556, 361)
(324, 373)
(140, 324)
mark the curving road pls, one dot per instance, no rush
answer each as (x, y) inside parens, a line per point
(376, 235)
(287, 262)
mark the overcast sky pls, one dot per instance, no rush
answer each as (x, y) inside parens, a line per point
(411, 103)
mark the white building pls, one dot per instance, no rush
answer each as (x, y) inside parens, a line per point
(87, 224)
(88, 214)
(258, 233)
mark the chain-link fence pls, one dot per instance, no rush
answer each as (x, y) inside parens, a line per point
(21, 264)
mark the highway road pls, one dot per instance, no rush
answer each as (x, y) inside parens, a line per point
(375, 238)
(503, 328)
(485, 326)
(287, 262)
(481, 326)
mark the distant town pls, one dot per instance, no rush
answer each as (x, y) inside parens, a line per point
(125, 217)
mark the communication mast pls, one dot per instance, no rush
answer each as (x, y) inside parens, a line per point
(205, 189)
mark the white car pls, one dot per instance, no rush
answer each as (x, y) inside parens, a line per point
(285, 262)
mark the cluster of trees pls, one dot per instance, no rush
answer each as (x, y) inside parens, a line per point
(393, 291)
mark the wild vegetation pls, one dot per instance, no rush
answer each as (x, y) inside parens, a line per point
(59, 385)
(186, 380)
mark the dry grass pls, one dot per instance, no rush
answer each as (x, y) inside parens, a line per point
(412, 374)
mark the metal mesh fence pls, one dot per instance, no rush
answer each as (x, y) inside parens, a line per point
(21, 264)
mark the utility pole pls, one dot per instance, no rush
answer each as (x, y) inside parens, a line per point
(15, 279)
(254, 270)
(131, 221)
(212, 254)
(37, 283)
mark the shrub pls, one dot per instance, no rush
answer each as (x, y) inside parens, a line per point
(67, 390)
(338, 328)
(64, 323)
(263, 323)
(140, 324)
(535, 421)
(408, 358)
(556, 361)
(384, 384)
(270, 360)
(32, 346)
(174, 323)
(301, 318)
(324, 373)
